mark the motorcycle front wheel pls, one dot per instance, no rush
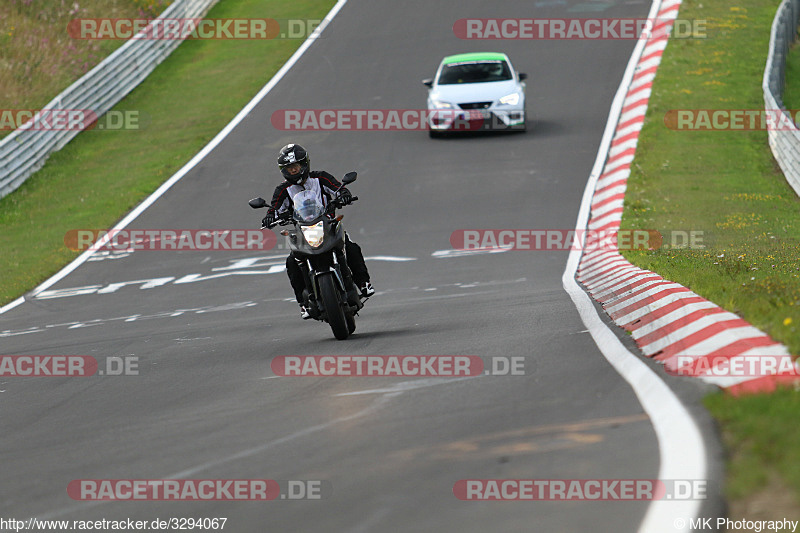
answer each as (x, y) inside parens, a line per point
(333, 307)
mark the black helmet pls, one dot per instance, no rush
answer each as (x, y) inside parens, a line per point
(294, 153)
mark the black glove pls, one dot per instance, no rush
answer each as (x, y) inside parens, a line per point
(268, 220)
(345, 198)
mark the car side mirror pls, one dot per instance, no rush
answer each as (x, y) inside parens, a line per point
(522, 76)
(428, 82)
(350, 177)
(257, 203)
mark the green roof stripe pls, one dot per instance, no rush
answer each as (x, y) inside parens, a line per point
(475, 56)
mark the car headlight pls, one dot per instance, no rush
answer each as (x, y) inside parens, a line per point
(313, 234)
(438, 104)
(510, 99)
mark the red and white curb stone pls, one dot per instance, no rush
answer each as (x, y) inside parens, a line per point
(665, 319)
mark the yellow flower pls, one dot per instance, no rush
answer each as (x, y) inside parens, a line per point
(787, 321)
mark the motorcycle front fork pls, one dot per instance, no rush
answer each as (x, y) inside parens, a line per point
(347, 275)
(344, 268)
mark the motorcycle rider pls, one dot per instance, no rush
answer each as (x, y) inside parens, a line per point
(294, 164)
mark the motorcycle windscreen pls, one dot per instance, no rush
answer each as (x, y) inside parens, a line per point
(307, 206)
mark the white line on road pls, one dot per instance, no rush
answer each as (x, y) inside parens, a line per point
(407, 386)
(681, 447)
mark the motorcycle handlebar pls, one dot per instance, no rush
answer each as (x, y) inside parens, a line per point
(281, 221)
(287, 219)
(337, 204)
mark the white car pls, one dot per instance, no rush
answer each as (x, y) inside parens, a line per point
(476, 91)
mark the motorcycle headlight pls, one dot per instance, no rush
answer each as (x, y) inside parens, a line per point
(510, 99)
(313, 234)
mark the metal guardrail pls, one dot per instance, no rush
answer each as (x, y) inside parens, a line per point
(25, 151)
(784, 140)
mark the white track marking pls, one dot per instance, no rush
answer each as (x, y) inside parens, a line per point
(681, 447)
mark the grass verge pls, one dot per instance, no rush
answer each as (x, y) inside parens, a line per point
(727, 185)
(100, 176)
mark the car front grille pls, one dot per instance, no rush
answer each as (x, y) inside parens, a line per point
(475, 105)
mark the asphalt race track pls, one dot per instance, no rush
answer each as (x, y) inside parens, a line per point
(205, 403)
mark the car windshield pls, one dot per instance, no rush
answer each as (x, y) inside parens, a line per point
(474, 72)
(307, 206)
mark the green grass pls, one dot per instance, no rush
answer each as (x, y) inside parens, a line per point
(727, 185)
(723, 183)
(760, 446)
(791, 93)
(101, 175)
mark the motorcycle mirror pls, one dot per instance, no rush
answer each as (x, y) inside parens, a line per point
(350, 177)
(257, 203)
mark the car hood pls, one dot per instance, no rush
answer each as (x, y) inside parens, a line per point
(473, 92)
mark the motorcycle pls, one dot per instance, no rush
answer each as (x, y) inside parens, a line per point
(317, 238)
